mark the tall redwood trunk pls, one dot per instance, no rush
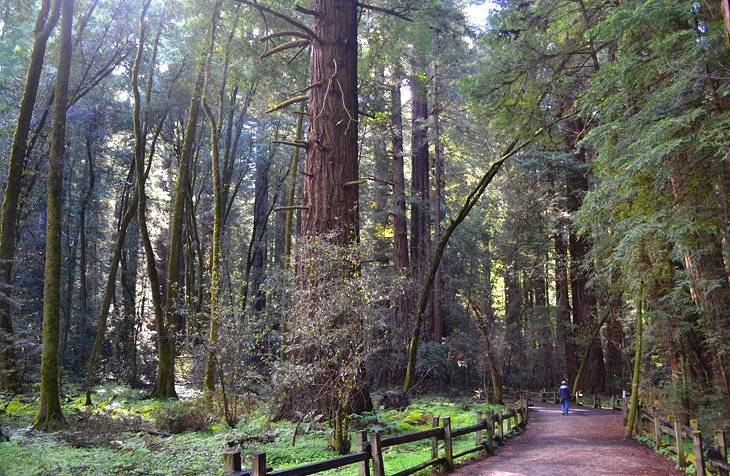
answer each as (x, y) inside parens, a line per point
(331, 191)
(583, 300)
(420, 191)
(438, 327)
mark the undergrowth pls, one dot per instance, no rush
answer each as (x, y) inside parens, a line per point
(123, 433)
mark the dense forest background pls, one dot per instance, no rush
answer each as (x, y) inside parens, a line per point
(219, 195)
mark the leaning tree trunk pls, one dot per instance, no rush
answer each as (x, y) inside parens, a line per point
(50, 403)
(45, 23)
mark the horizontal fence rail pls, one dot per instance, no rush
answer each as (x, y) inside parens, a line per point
(369, 455)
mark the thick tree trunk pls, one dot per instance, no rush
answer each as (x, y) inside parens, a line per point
(331, 191)
(420, 191)
(45, 23)
(438, 326)
(50, 404)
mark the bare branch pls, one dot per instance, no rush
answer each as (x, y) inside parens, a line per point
(296, 143)
(286, 103)
(286, 18)
(293, 207)
(298, 34)
(306, 11)
(285, 46)
(387, 11)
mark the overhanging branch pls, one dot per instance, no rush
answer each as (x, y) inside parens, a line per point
(281, 16)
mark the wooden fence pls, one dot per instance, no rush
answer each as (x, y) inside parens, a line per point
(710, 461)
(369, 455)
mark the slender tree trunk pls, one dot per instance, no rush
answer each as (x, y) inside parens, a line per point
(400, 229)
(633, 415)
(261, 215)
(165, 382)
(45, 23)
(50, 404)
(286, 260)
(83, 284)
(484, 322)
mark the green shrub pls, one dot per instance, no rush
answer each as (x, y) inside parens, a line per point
(182, 416)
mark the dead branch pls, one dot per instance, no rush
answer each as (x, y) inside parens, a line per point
(281, 16)
(387, 11)
(312, 86)
(297, 143)
(306, 11)
(285, 46)
(286, 103)
(292, 207)
(354, 182)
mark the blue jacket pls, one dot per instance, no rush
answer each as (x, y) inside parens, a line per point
(564, 392)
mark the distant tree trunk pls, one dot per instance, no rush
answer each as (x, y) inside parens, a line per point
(83, 284)
(165, 381)
(45, 23)
(583, 299)
(126, 351)
(261, 215)
(485, 321)
(50, 404)
(400, 230)
(438, 326)
(420, 189)
(289, 230)
(513, 312)
(636, 377)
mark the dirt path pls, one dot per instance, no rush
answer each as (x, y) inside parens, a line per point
(587, 443)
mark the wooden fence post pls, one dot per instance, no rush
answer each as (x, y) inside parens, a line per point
(596, 402)
(509, 420)
(490, 432)
(500, 427)
(613, 403)
(478, 434)
(542, 395)
(657, 432)
(721, 445)
(258, 464)
(638, 421)
(363, 467)
(448, 449)
(555, 397)
(679, 441)
(231, 461)
(697, 450)
(376, 452)
(434, 439)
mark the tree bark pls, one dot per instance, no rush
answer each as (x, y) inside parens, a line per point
(438, 326)
(45, 23)
(50, 404)
(289, 227)
(635, 379)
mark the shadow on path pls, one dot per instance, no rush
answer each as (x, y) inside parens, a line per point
(586, 442)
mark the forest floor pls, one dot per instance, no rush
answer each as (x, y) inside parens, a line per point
(585, 442)
(124, 433)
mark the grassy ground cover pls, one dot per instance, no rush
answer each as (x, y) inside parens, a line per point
(113, 436)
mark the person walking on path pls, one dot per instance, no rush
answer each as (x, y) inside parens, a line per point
(564, 393)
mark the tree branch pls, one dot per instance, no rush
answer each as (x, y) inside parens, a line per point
(387, 11)
(284, 33)
(286, 103)
(281, 16)
(285, 46)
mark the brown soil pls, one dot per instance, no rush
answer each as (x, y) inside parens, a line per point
(586, 442)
